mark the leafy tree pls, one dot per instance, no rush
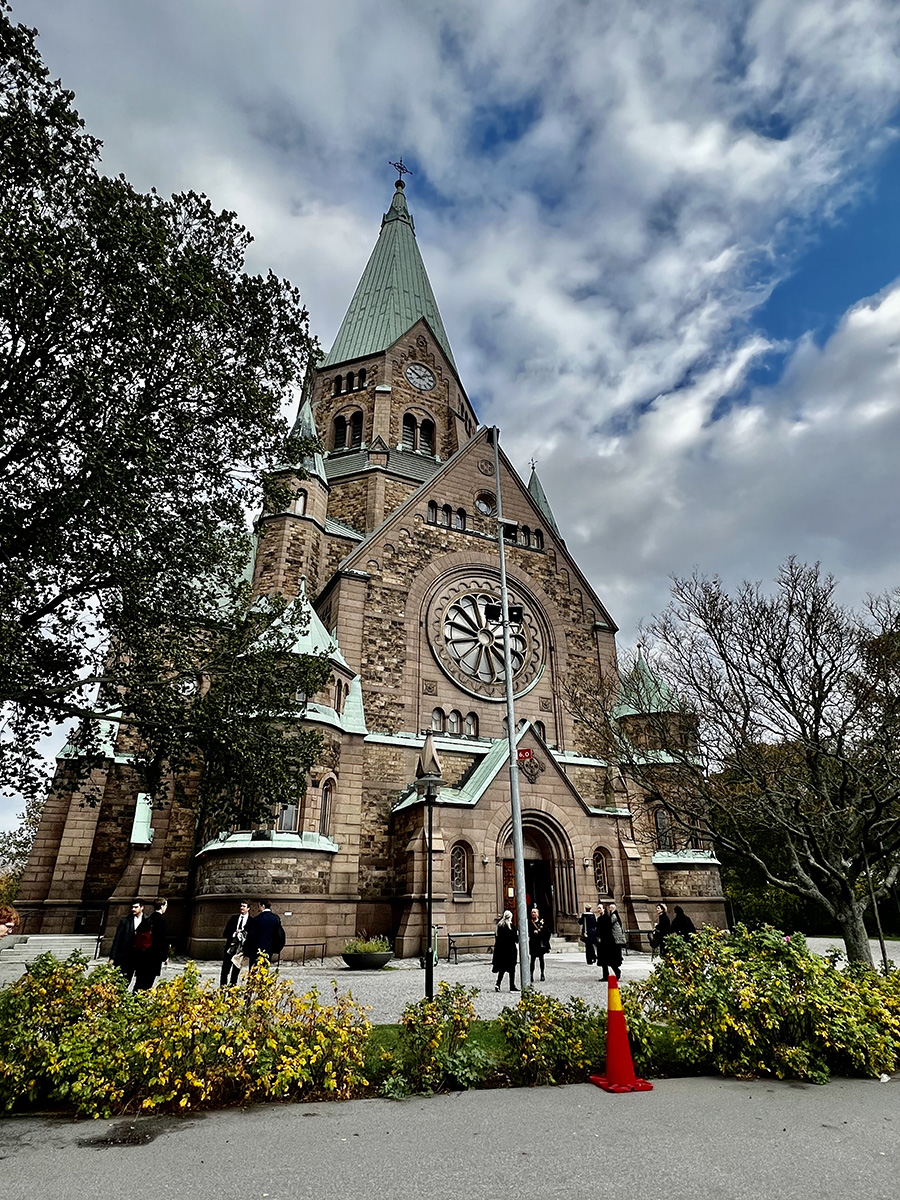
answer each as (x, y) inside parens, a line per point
(142, 379)
(771, 720)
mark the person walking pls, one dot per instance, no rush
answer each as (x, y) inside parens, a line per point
(505, 952)
(588, 923)
(151, 947)
(265, 934)
(235, 935)
(661, 930)
(605, 947)
(122, 951)
(538, 940)
(617, 940)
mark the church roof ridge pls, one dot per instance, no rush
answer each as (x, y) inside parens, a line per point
(393, 293)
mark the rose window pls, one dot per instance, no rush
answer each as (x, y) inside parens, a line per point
(475, 642)
(467, 642)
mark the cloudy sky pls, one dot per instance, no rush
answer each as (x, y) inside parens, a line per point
(663, 235)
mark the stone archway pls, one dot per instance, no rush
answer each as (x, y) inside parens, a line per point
(549, 869)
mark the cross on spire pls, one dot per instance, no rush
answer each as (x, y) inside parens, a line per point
(400, 169)
(533, 463)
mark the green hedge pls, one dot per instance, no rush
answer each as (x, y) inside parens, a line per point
(751, 1003)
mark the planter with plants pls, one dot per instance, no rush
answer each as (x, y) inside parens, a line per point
(367, 954)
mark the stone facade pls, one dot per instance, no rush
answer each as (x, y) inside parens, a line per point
(392, 538)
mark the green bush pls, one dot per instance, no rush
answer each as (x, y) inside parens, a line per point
(756, 1002)
(552, 1041)
(367, 945)
(83, 1041)
(432, 1052)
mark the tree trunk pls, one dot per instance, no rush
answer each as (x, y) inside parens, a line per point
(853, 931)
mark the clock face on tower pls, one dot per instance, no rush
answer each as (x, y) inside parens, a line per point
(466, 638)
(421, 377)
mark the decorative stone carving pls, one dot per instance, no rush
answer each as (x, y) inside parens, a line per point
(531, 768)
(429, 687)
(485, 466)
(546, 704)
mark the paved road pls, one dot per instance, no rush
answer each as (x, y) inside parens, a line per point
(689, 1139)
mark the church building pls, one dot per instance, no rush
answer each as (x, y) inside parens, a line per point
(390, 542)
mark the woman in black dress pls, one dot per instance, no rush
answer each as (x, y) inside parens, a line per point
(538, 941)
(505, 952)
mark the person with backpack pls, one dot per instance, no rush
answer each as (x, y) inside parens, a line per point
(265, 934)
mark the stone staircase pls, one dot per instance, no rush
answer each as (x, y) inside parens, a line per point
(22, 948)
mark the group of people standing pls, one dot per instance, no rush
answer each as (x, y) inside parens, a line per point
(140, 947)
(506, 947)
(681, 924)
(604, 938)
(248, 938)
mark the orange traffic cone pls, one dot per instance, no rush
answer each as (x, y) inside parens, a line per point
(620, 1076)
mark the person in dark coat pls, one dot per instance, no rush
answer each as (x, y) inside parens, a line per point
(235, 935)
(605, 946)
(538, 940)
(151, 947)
(505, 952)
(588, 923)
(265, 934)
(682, 924)
(149, 966)
(122, 952)
(617, 940)
(661, 929)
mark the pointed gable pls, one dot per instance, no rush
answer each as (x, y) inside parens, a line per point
(393, 293)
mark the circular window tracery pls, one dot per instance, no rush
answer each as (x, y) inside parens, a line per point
(475, 641)
(466, 638)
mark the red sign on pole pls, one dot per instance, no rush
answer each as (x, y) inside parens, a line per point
(524, 755)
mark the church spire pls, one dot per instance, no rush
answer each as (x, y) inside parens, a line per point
(539, 496)
(393, 293)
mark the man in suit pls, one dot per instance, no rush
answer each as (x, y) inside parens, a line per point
(265, 934)
(122, 952)
(152, 951)
(235, 935)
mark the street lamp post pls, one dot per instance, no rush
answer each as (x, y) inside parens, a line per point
(428, 784)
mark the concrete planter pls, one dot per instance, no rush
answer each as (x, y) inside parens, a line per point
(372, 961)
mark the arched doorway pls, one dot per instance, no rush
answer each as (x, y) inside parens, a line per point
(549, 868)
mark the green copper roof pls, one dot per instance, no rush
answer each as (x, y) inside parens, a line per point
(642, 693)
(539, 496)
(305, 427)
(392, 295)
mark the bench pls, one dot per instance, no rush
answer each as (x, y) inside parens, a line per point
(318, 947)
(484, 938)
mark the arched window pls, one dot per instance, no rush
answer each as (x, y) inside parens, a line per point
(361, 378)
(461, 869)
(325, 810)
(356, 426)
(351, 378)
(437, 720)
(471, 725)
(300, 503)
(409, 432)
(601, 872)
(446, 515)
(432, 512)
(340, 433)
(525, 535)
(338, 385)
(540, 729)
(538, 540)
(459, 521)
(663, 829)
(426, 437)
(454, 722)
